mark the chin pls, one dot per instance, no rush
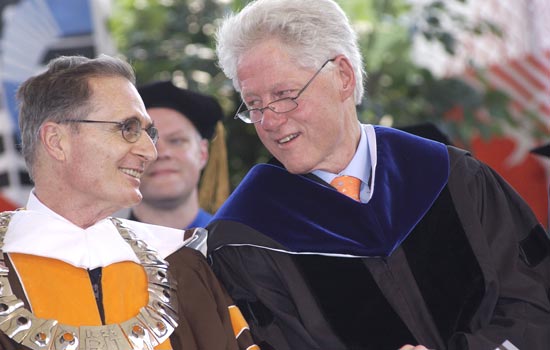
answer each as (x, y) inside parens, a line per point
(135, 199)
(298, 163)
(297, 169)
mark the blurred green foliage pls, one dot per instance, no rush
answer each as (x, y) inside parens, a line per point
(166, 39)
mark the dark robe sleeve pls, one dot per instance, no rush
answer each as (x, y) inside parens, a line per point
(8, 344)
(272, 294)
(512, 249)
(204, 319)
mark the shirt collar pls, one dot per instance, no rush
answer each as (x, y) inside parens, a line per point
(38, 230)
(360, 165)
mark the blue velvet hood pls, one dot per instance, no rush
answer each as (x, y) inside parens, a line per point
(304, 216)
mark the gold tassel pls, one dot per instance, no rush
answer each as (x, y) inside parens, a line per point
(214, 185)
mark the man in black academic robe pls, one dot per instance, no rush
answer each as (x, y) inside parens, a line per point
(466, 265)
(434, 251)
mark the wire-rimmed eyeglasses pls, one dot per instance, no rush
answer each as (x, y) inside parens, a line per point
(283, 105)
(130, 128)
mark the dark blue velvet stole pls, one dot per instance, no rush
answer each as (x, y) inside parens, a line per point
(303, 215)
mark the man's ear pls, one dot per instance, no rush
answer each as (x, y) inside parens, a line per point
(347, 76)
(53, 137)
(203, 149)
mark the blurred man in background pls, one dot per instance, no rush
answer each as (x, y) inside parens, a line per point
(186, 121)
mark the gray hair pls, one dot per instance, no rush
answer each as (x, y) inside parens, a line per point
(313, 30)
(60, 93)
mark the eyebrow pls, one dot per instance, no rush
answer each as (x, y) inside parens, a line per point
(144, 121)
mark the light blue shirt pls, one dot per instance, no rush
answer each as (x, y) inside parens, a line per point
(201, 220)
(359, 167)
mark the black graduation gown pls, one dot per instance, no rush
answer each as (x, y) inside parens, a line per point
(466, 264)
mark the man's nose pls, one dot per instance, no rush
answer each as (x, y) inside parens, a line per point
(145, 147)
(272, 120)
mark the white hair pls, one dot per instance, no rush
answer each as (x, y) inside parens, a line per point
(312, 30)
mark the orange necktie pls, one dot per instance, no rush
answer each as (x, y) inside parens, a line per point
(347, 185)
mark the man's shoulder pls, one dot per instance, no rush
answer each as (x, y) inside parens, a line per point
(165, 240)
(462, 163)
(186, 257)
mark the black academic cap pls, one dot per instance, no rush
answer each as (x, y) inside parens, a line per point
(543, 150)
(202, 110)
(427, 130)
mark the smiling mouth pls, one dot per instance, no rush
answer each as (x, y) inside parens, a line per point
(132, 172)
(287, 139)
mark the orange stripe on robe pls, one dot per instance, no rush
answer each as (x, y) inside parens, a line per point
(57, 290)
(238, 322)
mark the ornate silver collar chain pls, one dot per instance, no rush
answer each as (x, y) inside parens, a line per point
(152, 326)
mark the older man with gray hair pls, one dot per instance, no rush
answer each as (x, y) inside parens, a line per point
(72, 276)
(358, 236)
